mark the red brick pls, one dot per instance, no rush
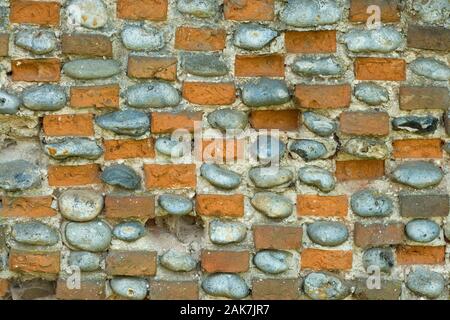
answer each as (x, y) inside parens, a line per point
(322, 206)
(27, 207)
(36, 70)
(4, 44)
(310, 41)
(129, 207)
(414, 98)
(407, 255)
(64, 176)
(164, 68)
(216, 205)
(128, 149)
(90, 289)
(316, 259)
(95, 45)
(131, 263)
(378, 234)
(385, 69)
(43, 13)
(249, 10)
(359, 170)
(173, 290)
(259, 66)
(68, 125)
(170, 176)
(103, 96)
(277, 237)
(167, 122)
(154, 10)
(364, 123)
(417, 148)
(323, 96)
(199, 39)
(275, 289)
(209, 93)
(286, 120)
(4, 287)
(225, 261)
(390, 11)
(428, 37)
(32, 262)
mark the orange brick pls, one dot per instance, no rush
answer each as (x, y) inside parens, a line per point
(36, 70)
(316, 259)
(68, 125)
(170, 176)
(209, 93)
(275, 289)
(378, 234)
(128, 207)
(286, 120)
(29, 207)
(310, 41)
(4, 287)
(407, 255)
(417, 148)
(34, 12)
(164, 68)
(4, 44)
(167, 122)
(384, 69)
(127, 149)
(225, 261)
(249, 10)
(259, 66)
(154, 10)
(359, 170)
(277, 237)
(62, 176)
(95, 45)
(363, 123)
(131, 263)
(390, 11)
(221, 150)
(32, 262)
(323, 96)
(173, 290)
(322, 206)
(104, 96)
(216, 205)
(199, 39)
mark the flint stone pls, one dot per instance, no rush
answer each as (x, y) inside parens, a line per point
(272, 261)
(129, 231)
(308, 150)
(9, 104)
(204, 64)
(86, 261)
(447, 147)
(272, 205)
(36, 41)
(89, 69)
(436, 11)
(430, 68)
(228, 119)
(18, 175)
(73, 147)
(171, 148)
(153, 95)
(317, 66)
(327, 233)
(226, 232)
(270, 177)
(366, 148)
(416, 124)
(88, 13)
(35, 233)
(320, 125)
(317, 177)
(422, 230)
(80, 205)
(265, 92)
(177, 261)
(268, 149)
(175, 204)
(198, 8)
(371, 93)
(44, 98)
(220, 177)
(122, 176)
(424, 282)
(142, 38)
(384, 39)
(306, 13)
(324, 286)
(93, 236)
(130, 288)
(382, 258)
(370, 203)
(253, 36)
(127, 122)
(225, 285)
(418, 174)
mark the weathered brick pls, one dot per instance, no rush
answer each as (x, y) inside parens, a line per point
(249, 10)
(417, 148)
(390, 11)
(378, 234)
(323, 96)
(131, 263)
(36, 70)
(103, 96)
(259, 65)
(216, 205)
(4, 44)
(45, 13)
(173, 290)
(225, 261)
(68, 125)
(154, 10)
(33, 262)
(63, 176)
(275, 289)
(167, 122)
(209, 93)
(364, 123)
(86, 45)
(27, 207)
(127, 149)
(388, 290)
(322, 206)
(170, 176)
(310, 41)
(199, 39)
(129, 207)
(277, 237)
(359, 170)
(90, 289)
(286, 120)
(384, 69)
(317, 259)
(164, 68)
(407, 255)
(221, 150)
(424, 205)
(428, 37)
(413, 98)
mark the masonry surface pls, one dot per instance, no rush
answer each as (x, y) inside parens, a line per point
(336, 136)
